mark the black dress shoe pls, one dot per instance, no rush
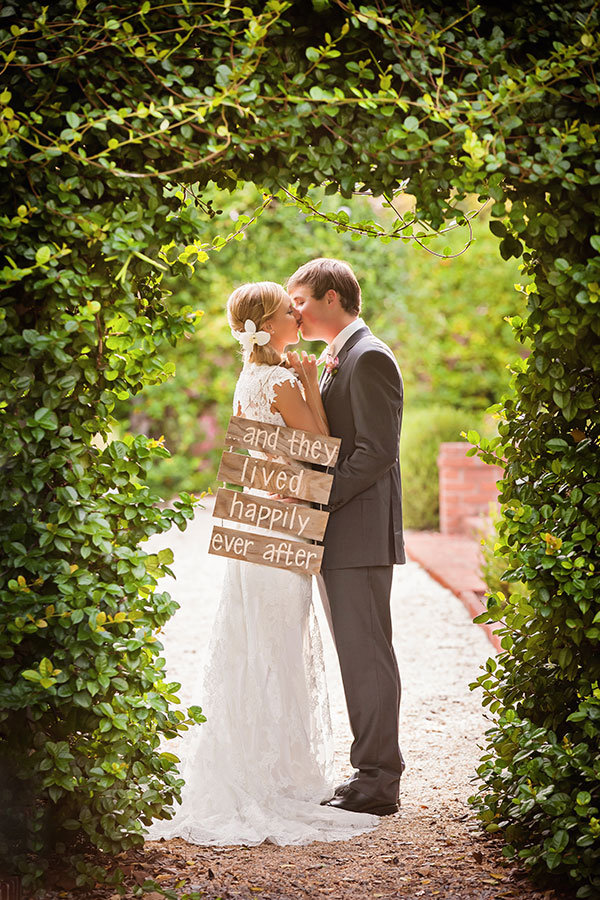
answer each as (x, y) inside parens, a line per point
(343, 787)
(356, 801)
(339, 791)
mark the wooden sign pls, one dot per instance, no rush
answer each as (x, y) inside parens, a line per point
(296, 477)
(273, 515)
(295, 556)
(278, 440)
(290, 479)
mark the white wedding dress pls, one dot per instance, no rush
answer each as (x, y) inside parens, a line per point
(257, 768)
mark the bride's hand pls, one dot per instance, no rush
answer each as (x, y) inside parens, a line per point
(305, 368)
(309, 367)
(295, 363)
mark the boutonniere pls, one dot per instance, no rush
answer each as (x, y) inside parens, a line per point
(331, 365)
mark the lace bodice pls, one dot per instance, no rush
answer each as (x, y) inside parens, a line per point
(255, 392)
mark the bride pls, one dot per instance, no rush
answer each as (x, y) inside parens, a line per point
(258, 768)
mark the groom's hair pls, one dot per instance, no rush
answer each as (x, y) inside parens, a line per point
(325, 274)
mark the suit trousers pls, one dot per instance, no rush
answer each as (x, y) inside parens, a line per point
(357, 605)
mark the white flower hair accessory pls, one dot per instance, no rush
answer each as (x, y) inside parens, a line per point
(250, 336)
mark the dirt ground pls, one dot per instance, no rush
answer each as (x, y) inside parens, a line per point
(430, 855)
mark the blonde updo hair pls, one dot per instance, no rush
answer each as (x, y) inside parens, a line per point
(258, 301)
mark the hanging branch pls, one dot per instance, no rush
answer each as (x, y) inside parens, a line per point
(356, 228)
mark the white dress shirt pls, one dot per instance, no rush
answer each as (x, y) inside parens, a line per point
(333, 349)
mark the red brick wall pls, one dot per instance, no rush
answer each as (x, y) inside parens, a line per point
(467, 487)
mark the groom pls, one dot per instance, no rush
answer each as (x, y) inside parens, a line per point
(362, 393)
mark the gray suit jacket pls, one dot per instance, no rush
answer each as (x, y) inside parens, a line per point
(363, 402)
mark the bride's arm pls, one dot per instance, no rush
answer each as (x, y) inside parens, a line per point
(306, 370)
(296, 411)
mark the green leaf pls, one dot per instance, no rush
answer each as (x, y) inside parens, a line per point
(46, 418)
(223, 75)
(195, 713)
(43, 254)
(169, 757)
(498, 228)
(411, 123)
(560, 839)
(318, 93)
(31, 675)
(510, 247)
(46, 667)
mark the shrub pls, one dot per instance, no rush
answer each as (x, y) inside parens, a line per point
(83, 696)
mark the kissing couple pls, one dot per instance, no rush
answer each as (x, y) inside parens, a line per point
(261, 767)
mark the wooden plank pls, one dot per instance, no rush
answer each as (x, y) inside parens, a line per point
(266, 550)
(279, 440)
(291, 479)
(273, 515)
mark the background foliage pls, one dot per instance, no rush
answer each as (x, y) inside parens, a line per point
(423, 430)
(444, 318)
(105, 113)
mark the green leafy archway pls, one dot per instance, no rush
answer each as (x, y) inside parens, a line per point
(105, 113)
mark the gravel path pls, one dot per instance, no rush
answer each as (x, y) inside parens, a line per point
(439, 652)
